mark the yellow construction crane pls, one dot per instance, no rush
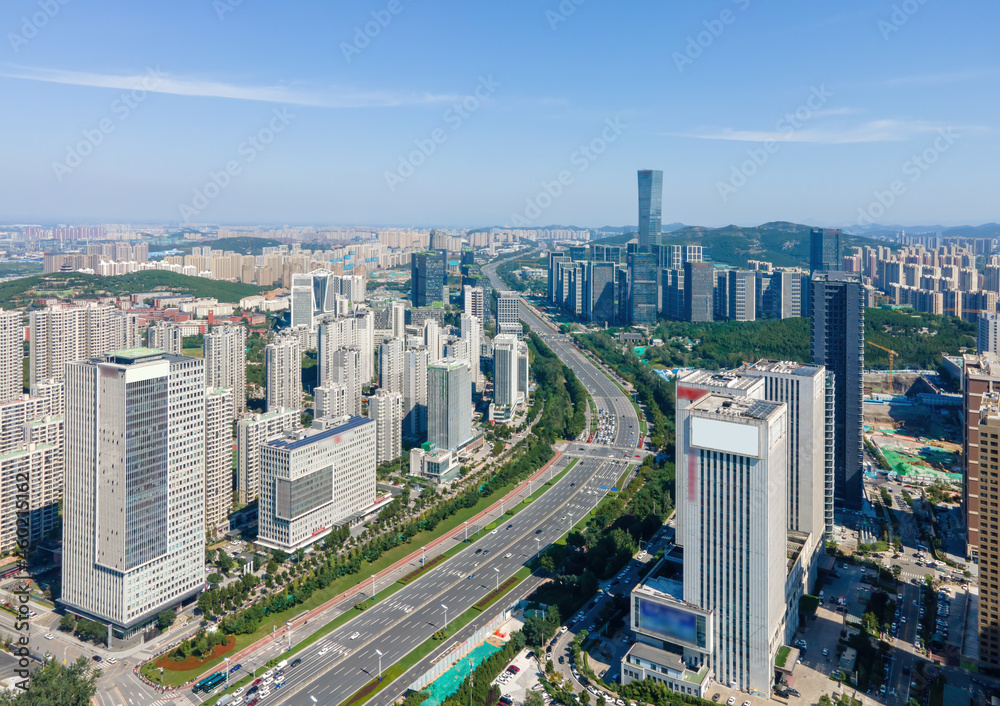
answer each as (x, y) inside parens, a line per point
(892, 357)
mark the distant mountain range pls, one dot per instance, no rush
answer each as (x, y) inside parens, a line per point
(987, 230)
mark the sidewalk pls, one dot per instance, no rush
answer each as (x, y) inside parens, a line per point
(360, 586)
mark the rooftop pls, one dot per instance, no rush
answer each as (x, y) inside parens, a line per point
(131, 355)
(739, 407)
(303, 437)
(729, 379)
(786, 367)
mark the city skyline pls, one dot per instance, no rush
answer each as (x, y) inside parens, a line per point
(365, 116)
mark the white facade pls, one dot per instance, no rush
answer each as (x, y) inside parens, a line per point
(415, 362)
(505, 370)
(735, 457)
(252, 432)
(390, 365)
(283, 360)
(508, 319)
(433, 340)
(988, 336)
(313, 481)
(347, 373)
(61, 335)
(135, 422)
(168, 336)
(474, 301)
(225, 352)
(218, 459)
(386, 410)
(11, 355)
(397, 320)
(472, 333)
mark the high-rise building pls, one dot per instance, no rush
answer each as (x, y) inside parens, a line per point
(987, 519)
(824, 250)
(427, 277)
(699, 291)
(741, 291)
(643, 289)
(415, 362)
(650, 206)
(11, 355)
(397, 320)
(679, 254)
(32, 446)
(449, 403)
(505, 366)
(167, 337)
(472, 330)
(252, 432)
(61, 335)
(390, 365)
(433, 340)
(523, 372)
(347, 373)
(474, 302)
(386, 410)
(218, 460)
(838, 343)
(980, 379)
(313, 481)
(508, 314)
(988, 335)
(225, 352)
(283, 361)
(134, 501)
(313, 294)
(599, 293)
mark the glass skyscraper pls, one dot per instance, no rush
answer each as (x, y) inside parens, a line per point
(650, 206)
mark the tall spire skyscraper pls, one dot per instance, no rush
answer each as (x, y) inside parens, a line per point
(650, 206)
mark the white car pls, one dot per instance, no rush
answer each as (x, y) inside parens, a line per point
(239, 691)
(111, 660)
(355, 635)
(324, 651)
(493, 532)
(48, 636)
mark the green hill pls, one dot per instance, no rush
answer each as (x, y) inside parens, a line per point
(243, 246)
(68, 285)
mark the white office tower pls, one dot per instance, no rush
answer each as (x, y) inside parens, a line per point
(505, 370)
(134, 501)
(449, 404)
(314, 481)
(313, 294)
(415, 362)
(434, 340)
(218, 459)
(474, 301)
(988, 337)
(225, 351)
(61, 335)
(252, 432)
(302, 302)
(333, 335)
(390, 365)
(167, 337)
(397, 320)
(508, 318)
(11, 355)
(364, 339)
(32, 447)
(347, 374)
(472, 332)
(735, 532)
(386, 410)
(523, 371)
(283, 361)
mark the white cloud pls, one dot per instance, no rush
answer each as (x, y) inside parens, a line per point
(872, 131)
(328, 98)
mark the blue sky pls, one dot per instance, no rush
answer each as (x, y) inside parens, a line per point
(316, 112)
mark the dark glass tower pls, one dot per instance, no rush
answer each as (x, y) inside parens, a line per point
(699, 291)
(427, 277)
(642, 288)
(650, 206)
(824, 250)
(838, 342)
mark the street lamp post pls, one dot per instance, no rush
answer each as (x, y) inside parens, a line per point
(498, 578)
(373, 588)
(227, 672)
(538, 546)
(289, 634)
(379, 653)
(423, 556)
(466, 532)
(445, 617)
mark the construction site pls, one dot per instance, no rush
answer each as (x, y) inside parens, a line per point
(915, 423)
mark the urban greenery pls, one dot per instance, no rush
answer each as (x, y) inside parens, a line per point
(55, 684)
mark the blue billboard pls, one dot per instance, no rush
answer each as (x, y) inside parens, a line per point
(668, 622)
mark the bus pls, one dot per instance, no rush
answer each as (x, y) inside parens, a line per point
(210, 682)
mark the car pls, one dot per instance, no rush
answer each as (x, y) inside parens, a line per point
(257, 682)
(268, 681)
(235, 668)
(826, 652)
(112, 660)
(715, 697)
(538, 531)
(509, 526)
(793, 692)
(268, 673)
(238, 692)
(508, 555)
(731, 701)
(479, 551)
(48, 636)
(295, 662)
(513, 670)
(493, 532)
(902, 619)
(324, 651)
(355, 635)
(96, 658)
(591, 627)
(562, 659)
(485, 552)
